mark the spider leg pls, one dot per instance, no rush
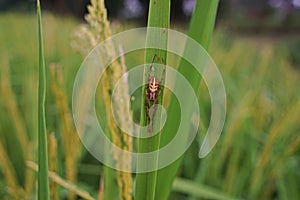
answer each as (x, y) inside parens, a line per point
(151, 67)
(162, 76)
(147, 107)
(155, 102)
(153, 61)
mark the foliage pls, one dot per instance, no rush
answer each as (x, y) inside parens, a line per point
(159, 16)
(257, 156)
(43, 182)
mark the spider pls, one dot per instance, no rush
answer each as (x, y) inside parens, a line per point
(153, 91)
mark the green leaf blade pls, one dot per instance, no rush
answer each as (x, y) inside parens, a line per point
(43, 183)
(159, 16)
(201, 28)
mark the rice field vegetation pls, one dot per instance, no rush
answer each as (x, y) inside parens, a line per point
(256, 157)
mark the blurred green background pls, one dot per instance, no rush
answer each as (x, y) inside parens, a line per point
(256, 45)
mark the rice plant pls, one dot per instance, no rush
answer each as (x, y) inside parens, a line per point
(257, 156)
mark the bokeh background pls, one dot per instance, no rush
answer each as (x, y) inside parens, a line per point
(261, 15)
